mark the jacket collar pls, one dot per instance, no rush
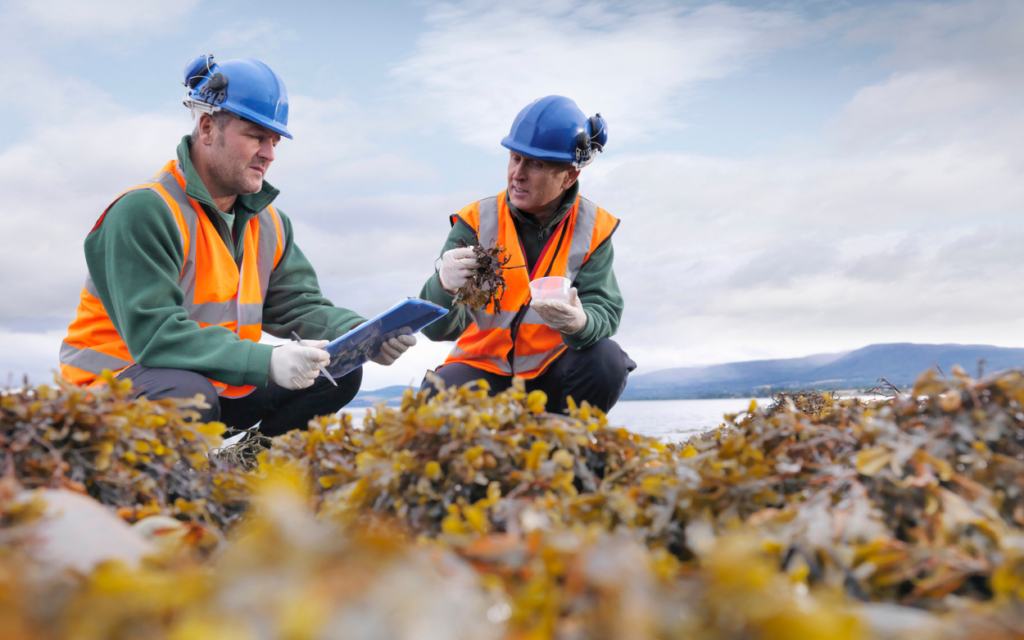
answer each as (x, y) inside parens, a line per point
(250, 204)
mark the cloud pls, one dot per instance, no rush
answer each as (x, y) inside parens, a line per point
(264, 33)
(927, 35)
(915, 104)
(58, 182)
(93, 19)
(28, 353)
(480, 63)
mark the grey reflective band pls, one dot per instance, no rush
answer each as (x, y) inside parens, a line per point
(89, 359)
(187, 283)
(531, 317)
(487, 234)
(537, 360)
(222, 312)
(582, 237)
(465, 355)
(173, 189)
(500, 320)
(90, 286)
(250, 313)
(265, 250)
(212, 312)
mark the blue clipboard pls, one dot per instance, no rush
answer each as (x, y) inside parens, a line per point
(363, 343)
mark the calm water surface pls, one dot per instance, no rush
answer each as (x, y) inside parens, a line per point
(666, 419)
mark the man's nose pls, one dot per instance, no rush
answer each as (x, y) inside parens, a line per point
(266, 151)
(517, 171)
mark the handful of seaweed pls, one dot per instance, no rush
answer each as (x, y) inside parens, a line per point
(488, 283)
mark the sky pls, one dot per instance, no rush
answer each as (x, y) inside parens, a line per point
(791, 177)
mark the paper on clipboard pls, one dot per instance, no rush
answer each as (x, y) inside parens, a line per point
(363, 343)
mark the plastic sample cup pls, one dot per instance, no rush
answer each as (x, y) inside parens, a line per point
(552, 288)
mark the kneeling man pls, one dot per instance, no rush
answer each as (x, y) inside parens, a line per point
(548, 229)
(188, 268)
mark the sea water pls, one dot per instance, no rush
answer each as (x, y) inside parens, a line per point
(670, 420)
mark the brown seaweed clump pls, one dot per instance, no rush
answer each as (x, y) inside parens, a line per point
(140, 457)
(488, 284)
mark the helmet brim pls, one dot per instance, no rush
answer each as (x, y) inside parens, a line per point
(535, 152)
(248, 114)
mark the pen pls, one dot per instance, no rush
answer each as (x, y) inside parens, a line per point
(322, 368)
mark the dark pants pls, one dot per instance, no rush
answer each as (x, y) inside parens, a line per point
(278, 410)
(597, 375)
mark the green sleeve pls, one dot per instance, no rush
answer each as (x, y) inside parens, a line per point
(458, 319)
(294, 301)
(602, 302)
(135, 259)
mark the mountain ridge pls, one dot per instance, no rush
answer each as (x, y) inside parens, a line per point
(860, 369)
(899, 363)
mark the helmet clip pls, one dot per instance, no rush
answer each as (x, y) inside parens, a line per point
(215, 91)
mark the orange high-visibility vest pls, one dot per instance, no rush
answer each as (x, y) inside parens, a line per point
(216, 291)
(513, 340)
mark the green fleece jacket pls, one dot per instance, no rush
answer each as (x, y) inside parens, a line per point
(135, 260)
(596, 284)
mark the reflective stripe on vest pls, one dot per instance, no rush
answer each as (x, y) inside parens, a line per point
(487, 343)
(89, 359)
(208, 284)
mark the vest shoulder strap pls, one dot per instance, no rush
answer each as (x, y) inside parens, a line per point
(469, 214)
(270, 247)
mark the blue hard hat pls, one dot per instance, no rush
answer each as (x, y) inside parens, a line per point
(243, 86)
(554, 128)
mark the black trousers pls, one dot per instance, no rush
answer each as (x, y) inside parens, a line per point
(596, 374)
(278, 410)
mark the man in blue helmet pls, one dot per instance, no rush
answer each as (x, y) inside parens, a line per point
(188, 268)
(561, 347)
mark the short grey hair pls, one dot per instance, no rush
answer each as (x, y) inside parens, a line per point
(220, 118)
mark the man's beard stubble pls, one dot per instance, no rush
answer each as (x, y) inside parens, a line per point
(230, 176)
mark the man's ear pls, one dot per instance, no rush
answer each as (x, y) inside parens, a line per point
(206, 127)
(570, 177)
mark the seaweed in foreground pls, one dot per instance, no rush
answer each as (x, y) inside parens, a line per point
(488, 283)
(141, 457)
(245, 453)
(904, 502)
(809, 401)
(823, 519)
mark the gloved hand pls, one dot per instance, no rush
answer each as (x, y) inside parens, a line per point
(393, 348)
(566, 317)
(293, 365)
(457, 266)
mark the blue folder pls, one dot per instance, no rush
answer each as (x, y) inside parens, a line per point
(363, 343)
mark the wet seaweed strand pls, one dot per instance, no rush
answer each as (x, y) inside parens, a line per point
(488, 283)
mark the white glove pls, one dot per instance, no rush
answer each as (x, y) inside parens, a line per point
(393, 348)
(566, 317)
(294, 365)
(457, 266)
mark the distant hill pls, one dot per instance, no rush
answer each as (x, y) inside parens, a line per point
(899, 363)
(369, 398)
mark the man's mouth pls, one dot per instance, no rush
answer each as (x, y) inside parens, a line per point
(261, 170)
(519, 192)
